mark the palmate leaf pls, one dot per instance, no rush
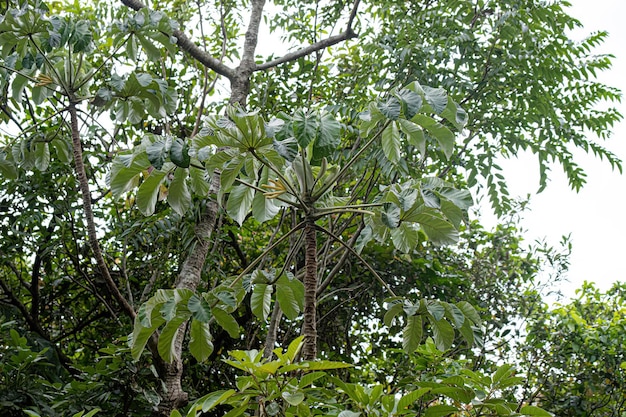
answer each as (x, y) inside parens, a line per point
(226, 321)
(251, 127)
(443, 135)
(304, 125)
(439, 230)
(179, 153)
(125, 170)
(178, 196)
(148, 192)
(261, 300)
(412, 334)
(167, 337)
(239, 203)
(200, 340)
(290, 301)
(405, 237)
(199, 308)
(443, 333)
(327, 139)
(391, 142)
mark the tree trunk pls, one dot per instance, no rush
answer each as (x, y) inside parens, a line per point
(309, 330)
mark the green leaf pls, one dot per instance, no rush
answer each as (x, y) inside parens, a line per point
(391, 142)
(286, 298)
(392, 313)
(199, 308)
(157, 152)
(440, 410)
(200, 341)
(287, 148)
(443, 135)
(390, 215)
(467, 332)
(294, 348)
(348, 413)
(455, 114)
(124, 171)
(178, 196)
(260, 300)
(179, 153)
(390, 108)
(437, 99)
(230, 170)
(455, 314)
(152, 52)
(443, 333)
(308, 378)
(7, 168)
(239, 203)
(209, 401)
(320, 365)
(327, 138)
(167, 337)
(502, 372)
(469, 311)
(141, 335)
(42, 156)
(412, 334)
(226, 321)
(531, 410)
(405, 237)
(414, 134)
(199, 183)
(304, 126)
(439, 230)
(409, 399)
(436, 309)
(148, 192)
(411, 102)
(294, 398)
(264, 209)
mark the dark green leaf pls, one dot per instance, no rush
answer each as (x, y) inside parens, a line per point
(391, 142)
(179, 153)
(200, 309)
(390, 108)
(200, 344)
(390, 215)
(412, 334)
(178, 196)
(261, 300)
(226, 321)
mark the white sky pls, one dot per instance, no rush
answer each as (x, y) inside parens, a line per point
(595, 215)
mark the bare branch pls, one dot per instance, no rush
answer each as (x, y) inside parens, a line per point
(292, 56)
(317, 46)
(190, 47)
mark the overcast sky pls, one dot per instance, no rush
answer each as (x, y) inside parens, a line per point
(595, 215)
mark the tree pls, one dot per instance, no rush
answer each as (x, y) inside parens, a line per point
(574, 354)
(62, 76)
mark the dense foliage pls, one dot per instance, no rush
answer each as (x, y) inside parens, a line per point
(192, 224)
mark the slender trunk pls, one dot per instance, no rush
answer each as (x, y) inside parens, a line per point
(309, 349)
(173, 396)
(272, 332)
(83, 183)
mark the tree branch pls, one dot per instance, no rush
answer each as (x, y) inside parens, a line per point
(317, 46)
(292, 56)
(190, 47)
